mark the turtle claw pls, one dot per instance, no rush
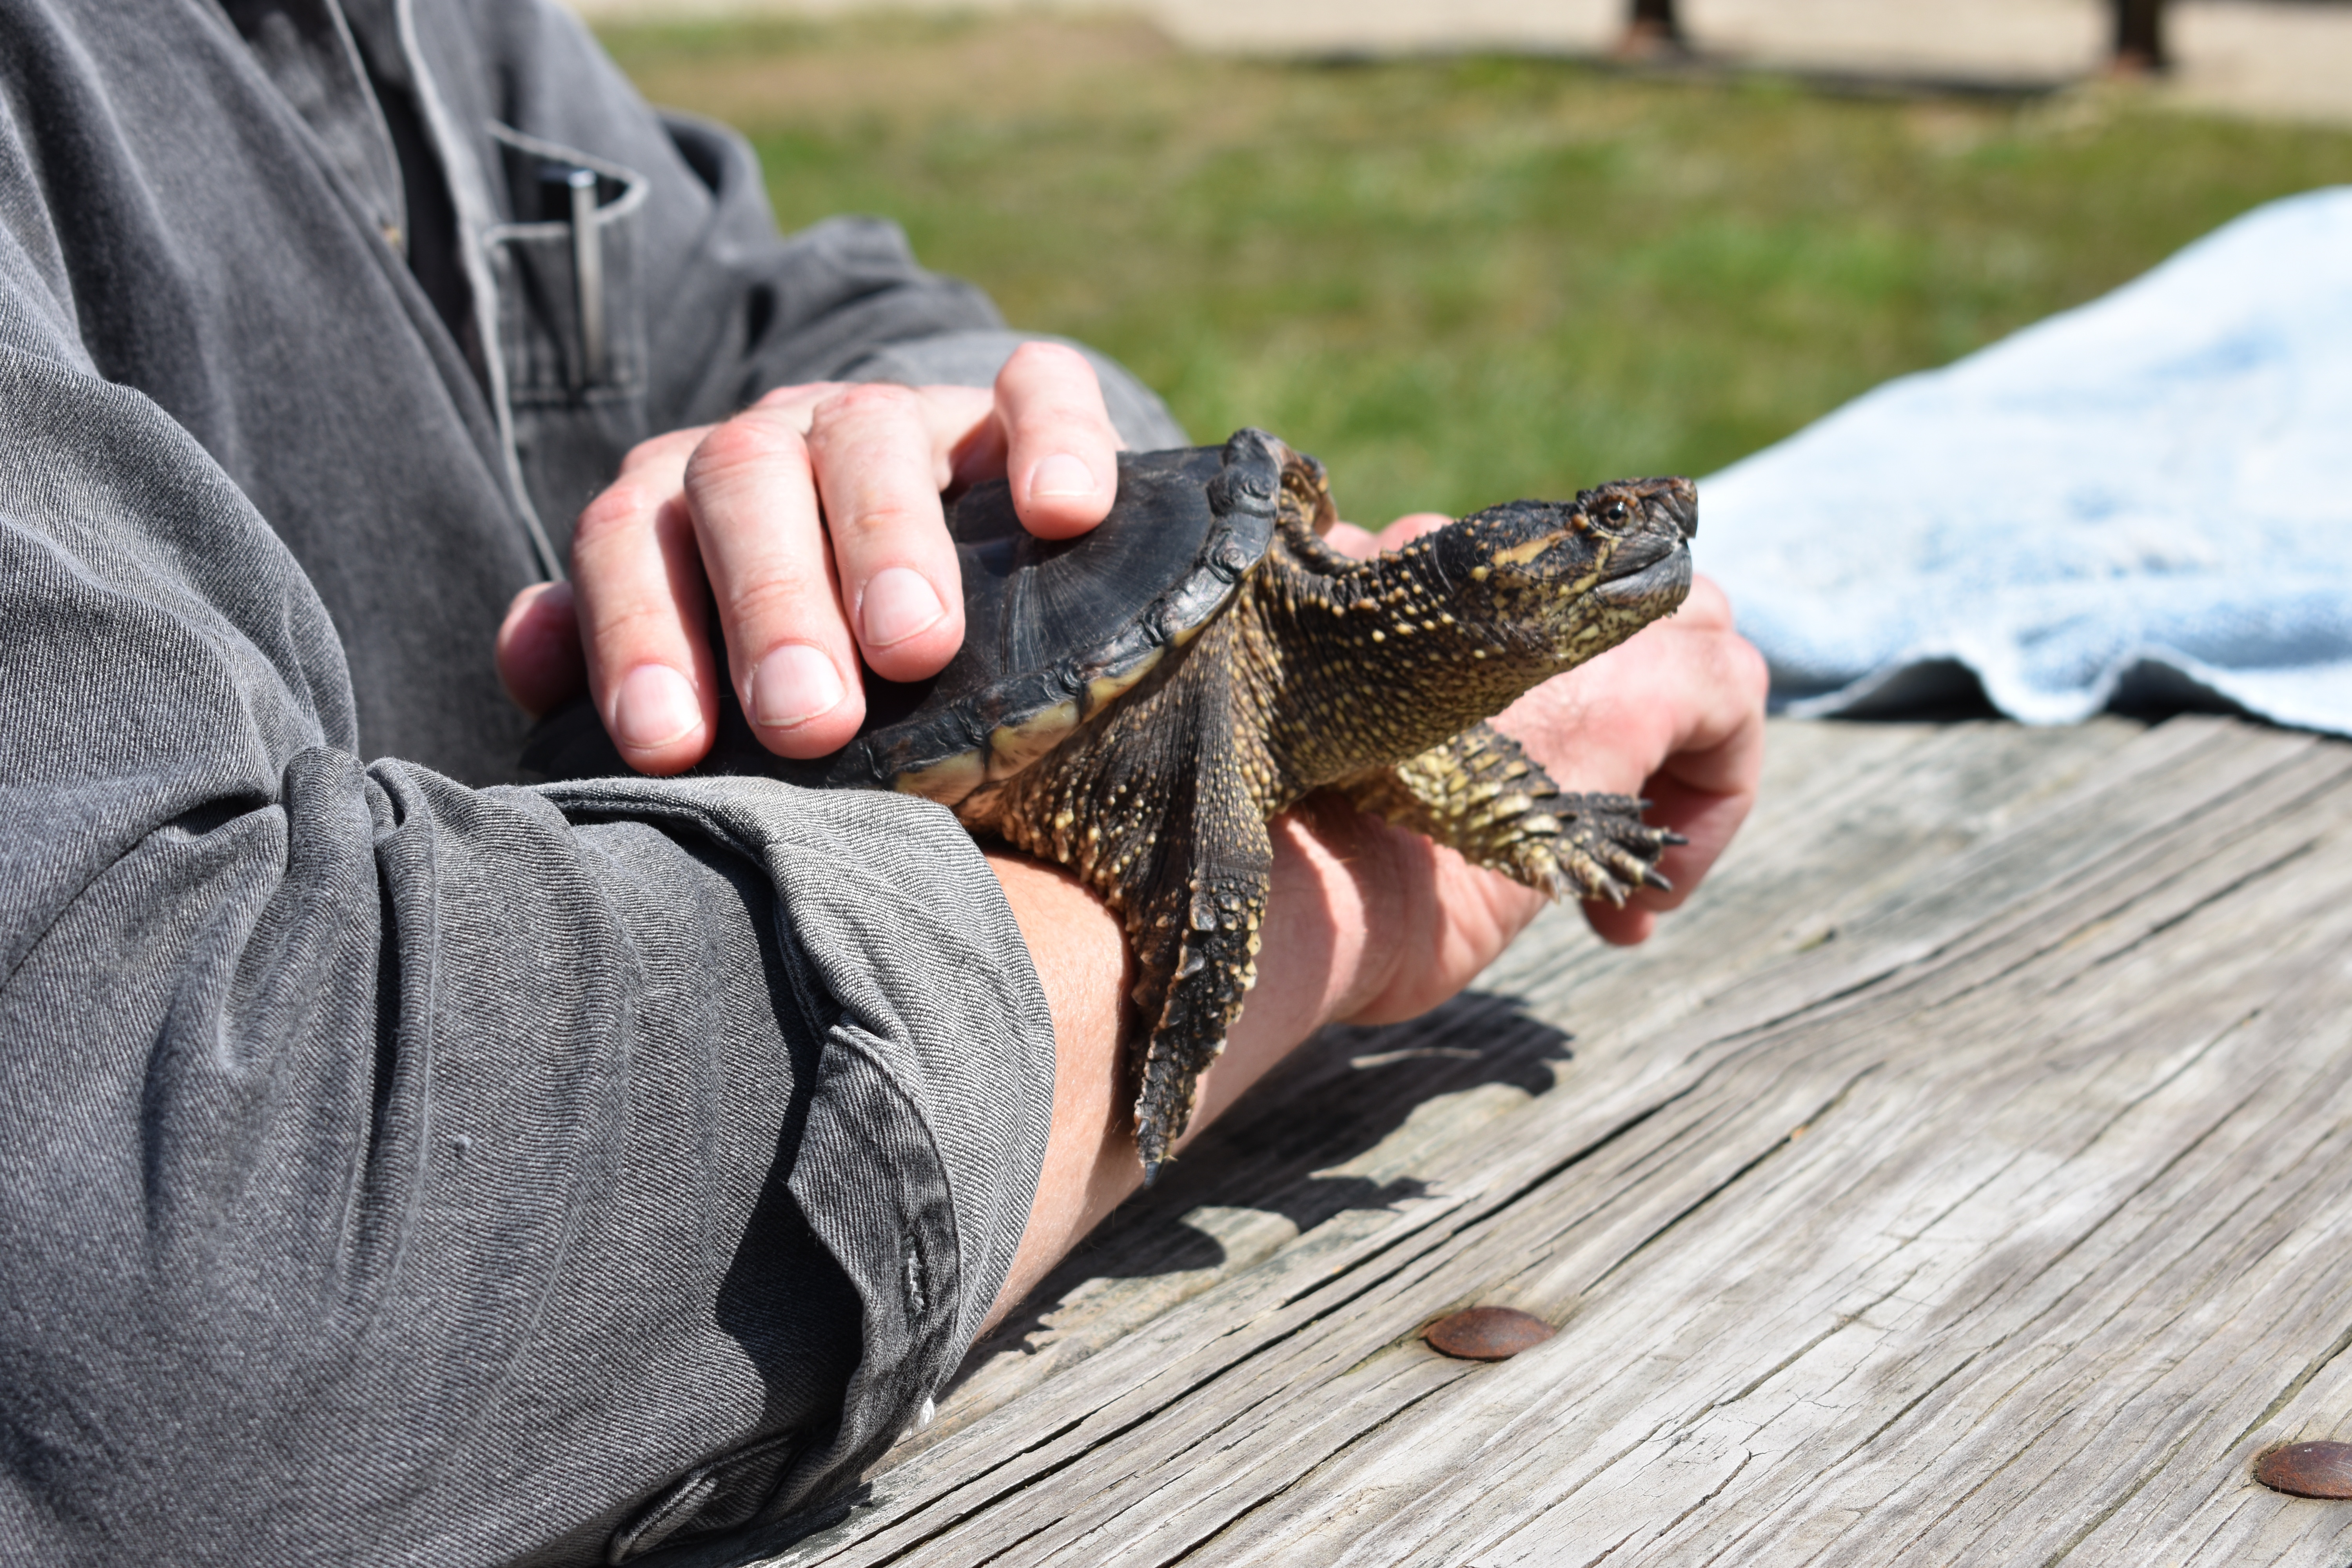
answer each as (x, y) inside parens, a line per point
(1636, 872)
(1150, 1172)
(1605, 851)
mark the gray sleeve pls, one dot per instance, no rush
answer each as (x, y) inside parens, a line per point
(724, 306)
(501, 1173)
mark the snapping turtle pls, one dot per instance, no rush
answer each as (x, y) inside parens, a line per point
(1135, 703)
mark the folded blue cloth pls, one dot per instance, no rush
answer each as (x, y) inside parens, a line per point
(2149, 498)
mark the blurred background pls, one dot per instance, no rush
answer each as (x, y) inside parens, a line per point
(1464, 249)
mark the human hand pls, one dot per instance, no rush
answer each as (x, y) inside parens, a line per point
(813, 521)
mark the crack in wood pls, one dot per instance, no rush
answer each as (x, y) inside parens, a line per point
(1729, 1182)
(2302, 1380)
(1596, 1562)
(2216, 897)
(1838, 1325)
(1300, 1480)
(2092, 1524)
(1724, 1486)
(1472, 1214)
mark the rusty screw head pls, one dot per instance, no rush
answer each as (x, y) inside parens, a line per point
(1487, 1333)
(2308, 1470)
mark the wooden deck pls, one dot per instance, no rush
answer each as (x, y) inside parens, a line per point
(1965, 1177)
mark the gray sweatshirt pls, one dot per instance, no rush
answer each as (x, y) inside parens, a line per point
(398, 1164)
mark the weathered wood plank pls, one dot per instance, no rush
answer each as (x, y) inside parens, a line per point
(1869, 1139)
(1848, 811)
(1994, 1207)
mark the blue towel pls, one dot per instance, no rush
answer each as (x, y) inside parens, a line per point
(2147, 499)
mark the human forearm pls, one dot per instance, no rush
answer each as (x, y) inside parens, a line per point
(1338, 877)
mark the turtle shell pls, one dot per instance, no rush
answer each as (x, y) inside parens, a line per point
(1055, 631)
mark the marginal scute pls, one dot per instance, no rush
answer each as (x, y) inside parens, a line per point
(946, 782)
(1105, 689)
(1014, 746)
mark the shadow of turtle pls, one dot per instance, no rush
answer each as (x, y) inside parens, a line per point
(1281, 1151)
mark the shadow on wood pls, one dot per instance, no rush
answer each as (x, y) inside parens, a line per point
(1967, 1177)
(1297, 1149)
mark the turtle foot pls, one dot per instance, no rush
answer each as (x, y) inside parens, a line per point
(1601, 850)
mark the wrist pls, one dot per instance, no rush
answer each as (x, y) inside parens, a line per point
(1341, 886)
(1351, 885)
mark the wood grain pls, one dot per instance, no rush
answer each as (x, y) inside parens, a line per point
(1965, 1176)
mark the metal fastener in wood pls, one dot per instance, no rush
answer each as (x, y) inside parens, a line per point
(2308, 1470)
(1487, 1333)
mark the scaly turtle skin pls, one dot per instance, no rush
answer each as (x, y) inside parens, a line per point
(1136, 703)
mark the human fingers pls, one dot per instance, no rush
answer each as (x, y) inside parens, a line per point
(1060, 450)
(1362, 544)
(962, 419)
(1680, 707)
(638, 597)
(751, 491)
(538, 649)
(880, 472)
(1410, 527)
(798, 403)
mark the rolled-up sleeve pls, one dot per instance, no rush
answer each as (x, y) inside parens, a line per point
(390, 1168)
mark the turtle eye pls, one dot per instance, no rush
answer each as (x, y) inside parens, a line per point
(1617, 511)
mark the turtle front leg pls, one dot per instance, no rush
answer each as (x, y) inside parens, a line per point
(1195, 935)
(1153, 809)
(1480, 794)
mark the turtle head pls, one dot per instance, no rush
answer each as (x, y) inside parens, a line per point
(1562, 580)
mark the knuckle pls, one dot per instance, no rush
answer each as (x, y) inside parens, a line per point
(1750, 670)
(870, 400)
(779, 600)
(1707, 607)
(621, 509)
(1049, 358)
(1053, 383)
(886, 517)
(805, 392)
(636, 624)
(743, 443)
(660, 449)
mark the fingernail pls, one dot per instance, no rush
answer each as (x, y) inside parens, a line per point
(898, 603)
(795, 684)
(654, 707)
(1061, 475)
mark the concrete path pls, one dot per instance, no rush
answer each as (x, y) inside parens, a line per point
(2289, 58)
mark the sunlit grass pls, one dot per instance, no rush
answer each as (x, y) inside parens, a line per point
(1457, 280)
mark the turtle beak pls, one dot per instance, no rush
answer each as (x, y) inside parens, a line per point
(1651, 575)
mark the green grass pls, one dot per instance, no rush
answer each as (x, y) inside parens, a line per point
(1458, 280)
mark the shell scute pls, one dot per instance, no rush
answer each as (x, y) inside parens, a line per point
(1057, 630)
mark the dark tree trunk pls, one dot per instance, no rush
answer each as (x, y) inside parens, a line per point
(1651, 30)
(2139, 37)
